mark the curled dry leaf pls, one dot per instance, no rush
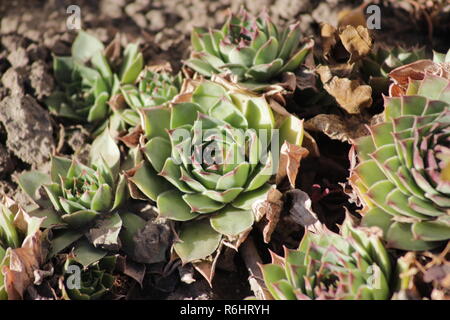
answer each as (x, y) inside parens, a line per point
(290, 157)
(113, 50)
(162, 66)
(356, 41)
(134, 270)
(338, 128)
(415, 71)
(329, 39)
(354, 17)
(270, 209)
(301, 211)
(131, 139)
(207, 268)
(24, 262)
(117, 102)
(350, 94)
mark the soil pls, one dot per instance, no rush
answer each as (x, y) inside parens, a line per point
(32, 31)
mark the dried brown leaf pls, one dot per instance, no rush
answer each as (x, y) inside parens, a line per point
(24, 261)
(336, 127)
(301, 211)
(356, 41)
(329, 38)
(207, 268)
(113, 50)
(132, 269)
(162, 66)
(117, 102)
(270, 209)
(131, 139)
(290, 157)
(354, 17)
(349, 94)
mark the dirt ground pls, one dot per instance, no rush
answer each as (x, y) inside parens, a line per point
(32, 31)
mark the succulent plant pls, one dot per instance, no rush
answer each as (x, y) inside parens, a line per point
(153, 89)
(81, 197)
(208, 159)
(95, 281)
(351, 266)
(250, 48)
(399, 176)
(87, 81)
(20, 249)
(441, 57)
(382, 61)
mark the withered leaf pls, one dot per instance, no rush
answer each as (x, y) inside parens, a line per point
(24, 261)
(131, 139)
(301, 211)
(117, 102)
(328, 34)
(349, 94)
(270, 209)
(356, 41)
(354, 17)
(290, 157)
(336, 127)
(134, 270)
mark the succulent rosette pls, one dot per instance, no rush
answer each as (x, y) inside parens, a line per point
(95, 281)
(81, 197)
(351, 266)
(253, 49)
(399, 177)
(88, 80)
(208, 159)
(382, 61)
(153, 89)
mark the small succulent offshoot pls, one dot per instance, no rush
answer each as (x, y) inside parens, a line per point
(94, 283)
(153, 89)
(87, 81)
(351, 266)
(252, 49)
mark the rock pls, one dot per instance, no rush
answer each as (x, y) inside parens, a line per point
(151, 243)
(28, 127)
(18, 58)
(6, 163)
(41, 80)
(112, 8)
(13, 79)
(9, 24)
(12, 42)
(36, 52)
(156, 20)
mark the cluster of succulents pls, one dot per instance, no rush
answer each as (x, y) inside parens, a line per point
(251, 48)
(204, 151)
